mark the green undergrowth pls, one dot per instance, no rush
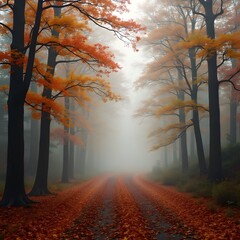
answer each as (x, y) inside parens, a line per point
(225, 193)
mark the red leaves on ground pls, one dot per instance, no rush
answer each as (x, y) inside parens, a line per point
(196, 215)
(113, 207)
(131, 222)
(49, 218)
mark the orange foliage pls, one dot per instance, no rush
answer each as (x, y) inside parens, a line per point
(38, 102)
(176, 104)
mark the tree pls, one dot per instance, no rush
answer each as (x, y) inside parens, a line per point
(34, 141)
(232, 26)
(40, 184)
(14, 191)
(215, 162)
(166, 41)
(190, 21)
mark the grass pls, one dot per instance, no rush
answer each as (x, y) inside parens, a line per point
(225, 193)
(199, 187)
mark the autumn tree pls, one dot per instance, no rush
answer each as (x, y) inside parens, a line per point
(232, 25)
(14, 191)
(40, 183)
(215, 163)
(162, 44)
(165, 40)
(218, 48)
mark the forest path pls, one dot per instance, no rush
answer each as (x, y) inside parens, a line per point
(117, 207)
(122, 211)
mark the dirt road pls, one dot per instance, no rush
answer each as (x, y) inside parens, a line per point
(117, 207)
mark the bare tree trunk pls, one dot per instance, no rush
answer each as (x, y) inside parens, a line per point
(34, 140)
(65, 169)
(71, 155)
(233, 113)
(215, 158)
(196, 125)
(183, 137)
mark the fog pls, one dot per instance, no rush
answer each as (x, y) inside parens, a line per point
(119, 139)
(119, 143)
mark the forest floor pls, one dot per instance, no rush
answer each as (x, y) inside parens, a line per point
(118, 207)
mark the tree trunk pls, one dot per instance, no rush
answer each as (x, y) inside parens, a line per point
(233, 113)
(72, 146)
(215, 162)
(183, 142)
(192, 145)
(34, 140)
(65, 169)
(183, 137)
(196, 125)
(14, 191)
(71, 155)
(233, 121)
(215, 159)
(40, 186)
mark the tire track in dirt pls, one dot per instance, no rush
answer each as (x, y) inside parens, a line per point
(112, 214)
(131, 222)
(157, 218)
(195, 215)
(95, 221)
(120, 211)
